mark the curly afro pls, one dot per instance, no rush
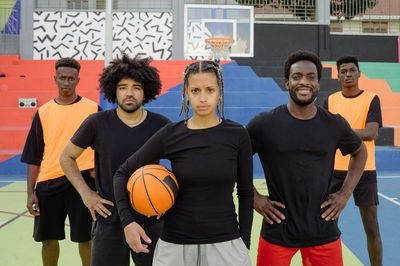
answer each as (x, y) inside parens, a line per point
(137, 69)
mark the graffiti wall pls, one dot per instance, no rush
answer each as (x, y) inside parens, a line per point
(81, 34)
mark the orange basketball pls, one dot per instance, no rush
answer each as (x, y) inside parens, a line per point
(152, 189)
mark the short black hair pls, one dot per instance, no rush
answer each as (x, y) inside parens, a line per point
(136, 68)
(68, 62)
(302, 55)
(347, 59)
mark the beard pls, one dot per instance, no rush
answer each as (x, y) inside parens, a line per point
(299, 102)
(131, 108)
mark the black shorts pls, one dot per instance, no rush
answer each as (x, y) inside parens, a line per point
(54, 208)
(110, 248)
(365, 194)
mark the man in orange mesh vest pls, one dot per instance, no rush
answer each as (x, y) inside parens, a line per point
(363, 112)
(51, 197)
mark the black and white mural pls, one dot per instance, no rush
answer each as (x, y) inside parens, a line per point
(81, 34)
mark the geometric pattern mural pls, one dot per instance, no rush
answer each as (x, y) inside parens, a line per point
(81, 34)
(195, 45)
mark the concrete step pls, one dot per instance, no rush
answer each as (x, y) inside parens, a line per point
(241, 115)
(10, 98)
(232, 99)
(13, 138)
(278, 71)
(16, 117)
(244, 84)
(329, 85)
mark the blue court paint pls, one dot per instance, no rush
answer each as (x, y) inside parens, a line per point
(353, 234)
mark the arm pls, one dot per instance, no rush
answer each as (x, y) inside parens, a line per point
(145, 155)
(337, 201)
(373, 121)
(370, 132)
(32, 201)
(245, 189)
(262, 204)
(91, 199)
(266, 207)
(32, 156)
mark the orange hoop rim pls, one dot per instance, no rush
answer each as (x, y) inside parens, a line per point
(219, 43)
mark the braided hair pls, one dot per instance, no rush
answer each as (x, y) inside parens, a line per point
(203, 67)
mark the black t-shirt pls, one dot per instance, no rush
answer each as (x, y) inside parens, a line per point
(374, 115)
(207, 163)
(298, 157)
(33, 154)
(113, 142)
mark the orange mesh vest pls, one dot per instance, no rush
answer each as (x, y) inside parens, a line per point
(355, 111)
(59, 123)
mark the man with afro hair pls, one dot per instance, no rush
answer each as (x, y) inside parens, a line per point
(115, 134)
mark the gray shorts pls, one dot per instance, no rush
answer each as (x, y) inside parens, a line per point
(228, 253)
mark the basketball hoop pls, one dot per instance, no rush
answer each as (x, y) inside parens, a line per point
(219, 47)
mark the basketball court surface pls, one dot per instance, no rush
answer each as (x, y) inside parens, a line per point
(16, 226)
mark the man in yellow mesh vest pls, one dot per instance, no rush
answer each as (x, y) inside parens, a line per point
(51, 197)
(363, 112)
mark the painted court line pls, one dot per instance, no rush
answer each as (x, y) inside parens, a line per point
(13, 219)
(393, 200)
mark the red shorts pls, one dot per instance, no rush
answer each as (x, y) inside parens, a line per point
(328, 255)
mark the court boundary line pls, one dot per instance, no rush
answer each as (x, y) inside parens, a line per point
(13, 219)
(389, 198)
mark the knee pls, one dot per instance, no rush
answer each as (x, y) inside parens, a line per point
(372, 229)
(371, 225)
(50, 244)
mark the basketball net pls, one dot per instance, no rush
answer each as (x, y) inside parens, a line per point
(220, 48)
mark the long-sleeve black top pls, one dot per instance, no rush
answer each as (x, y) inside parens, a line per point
(207, 163)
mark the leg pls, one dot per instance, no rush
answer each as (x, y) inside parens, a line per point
(153, 231)
(328, 255)
(49, 226)
(369, 216)
(228, 253)
(271, 255)
(85, 251)
(50, 252)
(366, 198)
(108, 245)
(80, 221)
(167, 254)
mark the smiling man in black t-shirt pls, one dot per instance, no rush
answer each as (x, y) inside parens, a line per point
(296, 144)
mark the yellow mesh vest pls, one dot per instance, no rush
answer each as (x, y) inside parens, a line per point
(355, 111)
(59, 123)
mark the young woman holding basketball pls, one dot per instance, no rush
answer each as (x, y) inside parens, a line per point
(208, 154)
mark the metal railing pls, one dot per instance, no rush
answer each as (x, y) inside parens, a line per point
(374, 16)
(347, 16)
(100, 4)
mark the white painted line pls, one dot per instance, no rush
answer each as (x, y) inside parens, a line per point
(389, 176)
(393, 200)
(8, 181)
